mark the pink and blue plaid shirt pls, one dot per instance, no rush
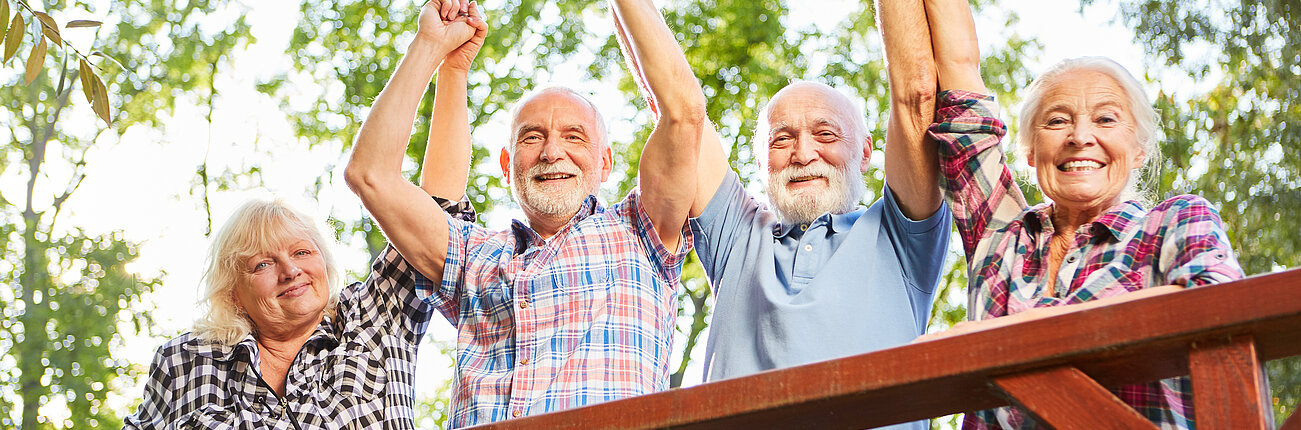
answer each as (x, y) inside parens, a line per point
(1179, 241)
(543, 325)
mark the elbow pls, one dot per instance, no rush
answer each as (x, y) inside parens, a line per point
(689, 114)
(916, 97)
(360, 180)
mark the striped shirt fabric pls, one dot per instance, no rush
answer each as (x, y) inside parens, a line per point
(355, 372)
(1179, 241)
(583, 317)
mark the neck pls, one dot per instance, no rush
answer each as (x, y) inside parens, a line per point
(1067, 218)
(547, 225)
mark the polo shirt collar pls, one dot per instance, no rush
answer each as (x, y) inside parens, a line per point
(834, 222)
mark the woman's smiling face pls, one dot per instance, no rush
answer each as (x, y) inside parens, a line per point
(1085, 145)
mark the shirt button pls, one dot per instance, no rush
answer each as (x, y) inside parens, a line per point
(808, 247)
(516, 413)
(804, 227)
(523, 304)
(1071, 260)
(524, 362)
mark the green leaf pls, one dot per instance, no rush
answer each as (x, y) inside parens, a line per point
(34, 62)
(87, 84)
(50, 28)
(81, 23)
(14, 37)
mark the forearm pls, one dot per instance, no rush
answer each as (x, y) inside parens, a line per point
(911, 161)
(982, 192)
(446, 164)
(660, 62)
(953, 37)
(382, 141)
(411, 221)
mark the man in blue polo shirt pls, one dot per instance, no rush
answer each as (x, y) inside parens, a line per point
(818, 276)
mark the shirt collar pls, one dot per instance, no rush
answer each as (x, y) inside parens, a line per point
(245, 347)
(835, 223)
(526, 237)
(1114, 221)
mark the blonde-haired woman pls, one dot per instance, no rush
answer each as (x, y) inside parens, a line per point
(280, 344)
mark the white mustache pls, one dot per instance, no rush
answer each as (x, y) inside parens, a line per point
(563, 167)
(820, 169)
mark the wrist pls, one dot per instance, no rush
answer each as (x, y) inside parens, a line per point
(427, 44)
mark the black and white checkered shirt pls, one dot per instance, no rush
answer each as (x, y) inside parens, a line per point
(355, 372)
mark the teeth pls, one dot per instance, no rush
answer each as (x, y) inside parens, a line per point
(1080, 165)
(804, 178)
(550, 176)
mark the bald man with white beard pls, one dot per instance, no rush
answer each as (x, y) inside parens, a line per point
(817, 275)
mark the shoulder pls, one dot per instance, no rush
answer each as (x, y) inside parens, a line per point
(1183, 202)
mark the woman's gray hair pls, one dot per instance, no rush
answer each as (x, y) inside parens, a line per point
(1145, 116)
(257, 226)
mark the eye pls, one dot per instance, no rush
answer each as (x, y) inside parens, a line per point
(1107, 119)
(302, 252)
(575, 138)
(532, 138)
(779, 141)
(1056, 121)
(259, 266)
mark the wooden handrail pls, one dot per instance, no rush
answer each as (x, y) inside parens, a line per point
(1126, 343)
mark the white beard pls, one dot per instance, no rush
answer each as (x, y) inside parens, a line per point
(844, 189)
(552, 200)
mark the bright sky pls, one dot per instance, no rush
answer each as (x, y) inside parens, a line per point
(142, 184)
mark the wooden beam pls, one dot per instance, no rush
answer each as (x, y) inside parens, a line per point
(1127, 343)
(1292, 423)
(1067, 399)
(1229, 385)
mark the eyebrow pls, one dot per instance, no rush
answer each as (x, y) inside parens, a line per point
(526, 128)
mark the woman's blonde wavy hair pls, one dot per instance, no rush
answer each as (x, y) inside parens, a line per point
(258, 226)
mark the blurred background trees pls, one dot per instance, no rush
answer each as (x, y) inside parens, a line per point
(1225, 138)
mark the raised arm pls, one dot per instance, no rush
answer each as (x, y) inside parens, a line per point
(911, 161)
(413, 223)
(671, 152)
(447, 154)
(953, 37)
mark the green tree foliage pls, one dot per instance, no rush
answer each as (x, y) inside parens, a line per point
(71, 298)
(1232, 143)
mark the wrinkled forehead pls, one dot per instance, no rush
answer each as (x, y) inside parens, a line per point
(556, 109)
(808, 105)
(1083, 90)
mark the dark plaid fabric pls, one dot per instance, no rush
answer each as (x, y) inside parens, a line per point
(355, 372)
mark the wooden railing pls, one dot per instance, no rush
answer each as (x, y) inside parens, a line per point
(1055, 367)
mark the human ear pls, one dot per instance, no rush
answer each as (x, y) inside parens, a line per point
(504, 159)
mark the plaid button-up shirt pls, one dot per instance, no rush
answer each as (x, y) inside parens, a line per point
(354, 372)
(583, 317)
(1179, 241)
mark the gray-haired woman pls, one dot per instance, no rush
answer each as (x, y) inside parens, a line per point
(1087, 129)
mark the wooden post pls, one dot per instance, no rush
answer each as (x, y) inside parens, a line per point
(1065, 398)
(1229, 386)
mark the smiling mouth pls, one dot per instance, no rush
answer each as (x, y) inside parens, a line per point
(804, 178)
(553, 177)
(1080, 166)
(293, 289)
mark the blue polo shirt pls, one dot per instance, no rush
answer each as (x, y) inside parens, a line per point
(795, 294)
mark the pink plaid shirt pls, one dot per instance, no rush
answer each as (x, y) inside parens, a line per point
(1179, 241)
(583, 317)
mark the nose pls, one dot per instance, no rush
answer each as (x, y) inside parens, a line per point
(804, 151)
(289, 270)
(551, 151)
(1083, 134)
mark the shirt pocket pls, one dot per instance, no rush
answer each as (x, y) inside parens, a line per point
(355, 376)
